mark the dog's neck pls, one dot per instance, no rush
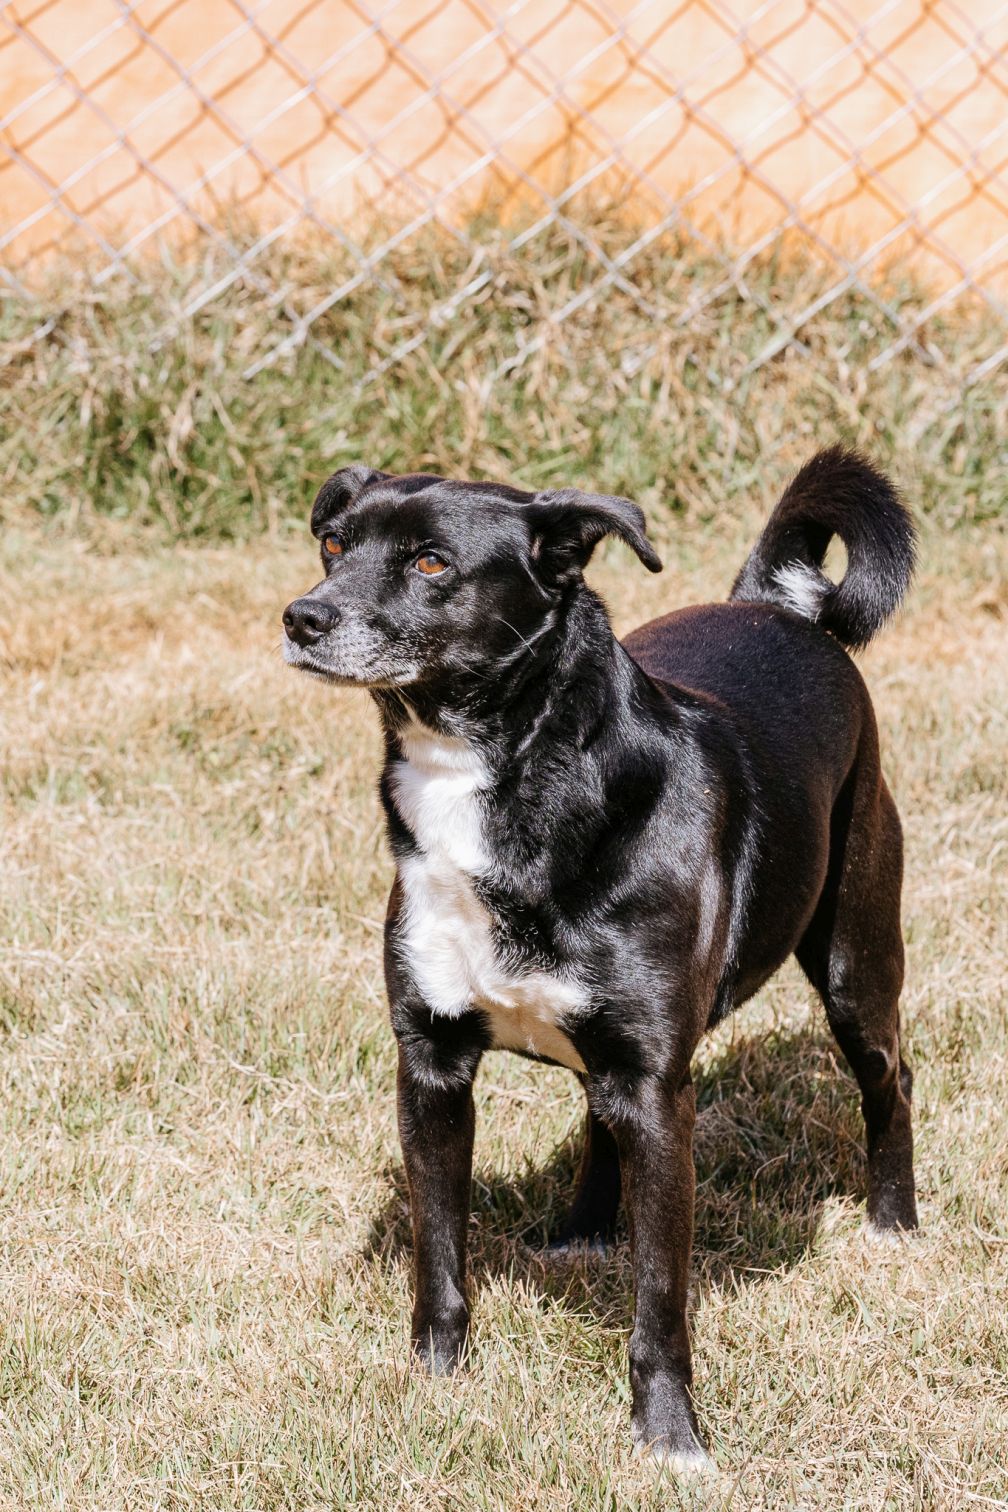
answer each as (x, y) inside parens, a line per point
(572, 676)
(539, 764)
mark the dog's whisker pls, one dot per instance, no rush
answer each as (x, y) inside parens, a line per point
(529, 646)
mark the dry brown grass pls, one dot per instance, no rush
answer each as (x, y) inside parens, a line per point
(202, 1221)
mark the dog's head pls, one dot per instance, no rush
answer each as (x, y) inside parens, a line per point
(428, 579)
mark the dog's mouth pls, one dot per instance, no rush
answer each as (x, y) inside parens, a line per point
(302, 659)
(306, 659)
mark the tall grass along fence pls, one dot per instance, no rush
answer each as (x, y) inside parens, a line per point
(658, 241)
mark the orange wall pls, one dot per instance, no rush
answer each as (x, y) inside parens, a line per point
(131, 128)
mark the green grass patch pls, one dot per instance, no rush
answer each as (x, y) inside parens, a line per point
(129, 409)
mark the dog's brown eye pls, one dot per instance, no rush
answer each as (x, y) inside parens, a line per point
(332, 547)
(430, 563)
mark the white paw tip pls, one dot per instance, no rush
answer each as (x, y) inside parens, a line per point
(692, 1462)
(695, 1461)
(577, 1249)
(885, 1238)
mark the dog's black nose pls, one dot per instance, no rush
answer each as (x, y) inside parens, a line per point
(307, 620)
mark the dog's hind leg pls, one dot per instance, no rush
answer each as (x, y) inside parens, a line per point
(592, 1215)
(852, 953)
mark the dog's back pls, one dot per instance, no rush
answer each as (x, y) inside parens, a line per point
(778, 676)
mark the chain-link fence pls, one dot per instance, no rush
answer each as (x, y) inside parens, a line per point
(869, 139)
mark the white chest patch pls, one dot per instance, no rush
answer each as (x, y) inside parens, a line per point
(447, 932)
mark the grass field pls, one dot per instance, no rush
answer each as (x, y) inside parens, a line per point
(203, 1231)
(204, 1240)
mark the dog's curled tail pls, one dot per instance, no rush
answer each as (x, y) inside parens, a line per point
(838, 493)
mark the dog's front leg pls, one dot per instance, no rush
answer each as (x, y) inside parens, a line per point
(652, 1120)
(436, 1125)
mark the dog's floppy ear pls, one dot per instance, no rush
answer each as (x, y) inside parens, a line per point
(339, 491)
(567, 525)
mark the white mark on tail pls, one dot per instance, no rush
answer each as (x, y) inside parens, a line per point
(802, 588)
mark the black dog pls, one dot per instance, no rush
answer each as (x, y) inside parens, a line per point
(602, 849)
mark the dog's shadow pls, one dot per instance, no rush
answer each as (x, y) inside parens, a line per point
(778, 1134)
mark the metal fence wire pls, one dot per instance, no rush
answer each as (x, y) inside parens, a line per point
(871, 138)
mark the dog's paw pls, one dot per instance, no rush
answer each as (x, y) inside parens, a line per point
(686, 1462)
(440, 1351)
(685, 1458)
(574, 1247)
(677, 1449)
(887, 1235)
